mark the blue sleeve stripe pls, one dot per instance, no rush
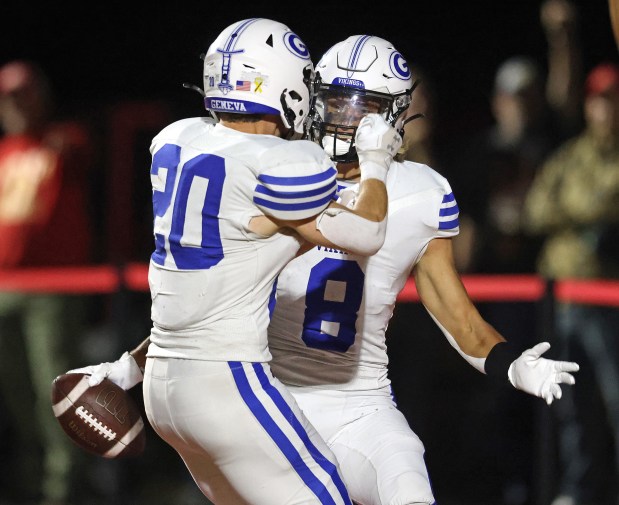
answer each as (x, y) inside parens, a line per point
(449, 198)
(342, 185)
(292, 194)
(448, 225)
(317, 204)
(449, 211)
(300, 180)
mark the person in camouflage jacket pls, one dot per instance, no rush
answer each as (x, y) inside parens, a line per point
(573, 203)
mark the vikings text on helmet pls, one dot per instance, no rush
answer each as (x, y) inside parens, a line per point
(360, 75)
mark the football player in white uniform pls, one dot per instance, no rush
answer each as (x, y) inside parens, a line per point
(233, 201)
(327, 332)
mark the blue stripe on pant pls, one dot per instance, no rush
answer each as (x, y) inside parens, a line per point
(280, 438)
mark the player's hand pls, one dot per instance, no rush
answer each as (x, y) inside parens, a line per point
(123, 372)
(540, 376)
(377, 142)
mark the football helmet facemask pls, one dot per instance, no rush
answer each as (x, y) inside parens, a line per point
(360, 75)
(259, 66)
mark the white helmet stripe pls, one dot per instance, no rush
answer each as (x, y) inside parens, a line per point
(235, 35)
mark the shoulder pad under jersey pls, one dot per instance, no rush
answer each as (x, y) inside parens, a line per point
(424, 178)
(183, 131)
(296, 180)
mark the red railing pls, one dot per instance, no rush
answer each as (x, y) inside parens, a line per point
(103, 279)
(107, 279)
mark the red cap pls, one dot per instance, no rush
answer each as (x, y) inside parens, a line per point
(604, 78)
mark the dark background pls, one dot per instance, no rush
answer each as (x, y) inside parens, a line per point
(486, 443)
(98, 52)
(121, 68)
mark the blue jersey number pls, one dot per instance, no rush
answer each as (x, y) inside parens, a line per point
(192, 229)
(334, 293)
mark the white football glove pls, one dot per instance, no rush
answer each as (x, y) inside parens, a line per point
(539, 376)
(123, 372)
(377, 142)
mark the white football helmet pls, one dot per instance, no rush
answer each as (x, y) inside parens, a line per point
(357, 76)
(259, 66)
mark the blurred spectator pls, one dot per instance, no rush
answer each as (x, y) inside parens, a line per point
(44, 221)
(422, 143)
(532, 115)
(535, 105)
(574, 204)
(419, 134)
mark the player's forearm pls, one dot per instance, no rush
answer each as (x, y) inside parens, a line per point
(477, 338)
(341, 228)
(350, 231)
(371, 203)
(473, 339)
(139, 353)
(126, 371)
(443, 295)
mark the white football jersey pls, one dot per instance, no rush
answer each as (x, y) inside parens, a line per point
(211, 278)
(329, 323)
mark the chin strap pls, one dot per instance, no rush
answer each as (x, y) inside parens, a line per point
(414, 116)
(200, 91)
(188, 85)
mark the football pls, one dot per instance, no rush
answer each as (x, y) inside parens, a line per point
(103, 419)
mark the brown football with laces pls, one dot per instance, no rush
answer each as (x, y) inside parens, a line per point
(104, 419)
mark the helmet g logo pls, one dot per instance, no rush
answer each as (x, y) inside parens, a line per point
(398, 66)
(296, 46)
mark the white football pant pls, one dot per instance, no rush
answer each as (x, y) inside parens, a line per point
(380, 457)
(240, 433)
